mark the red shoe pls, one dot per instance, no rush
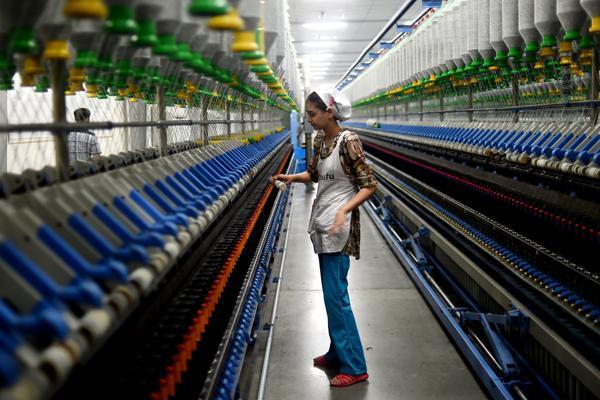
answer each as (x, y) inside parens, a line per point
(322, 362)
(343, 380)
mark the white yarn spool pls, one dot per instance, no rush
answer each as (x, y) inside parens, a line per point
(396, 75)
(249, 10)
(592, 8)
(389, 70)
(439, 41)
(426, 60)
(546, 19)
(426, 49)
(399, 66)
(455, 27)
(570, 14)
(483, 26)
(421, 51)
(280, 45)
(272, 24)
(423, 56)
(445, 36)
(400, 61)
(527, 27)
(405, 63)
(473, 27)
(496, 25)
(433, 43)
(432, 46)
(408, 60)
(280, 185)
(464, 36)
(413, 56)
(510, 24)
(417, 55)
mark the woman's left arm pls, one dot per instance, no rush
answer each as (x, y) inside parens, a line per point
(364, 177)
(352, 204)
(359, 198)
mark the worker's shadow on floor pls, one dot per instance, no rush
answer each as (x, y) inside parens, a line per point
(358, 391)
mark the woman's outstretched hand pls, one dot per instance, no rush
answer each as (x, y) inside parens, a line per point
(287, 179)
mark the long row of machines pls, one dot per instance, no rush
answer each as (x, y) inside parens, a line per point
(130, 274)
(570, 148)
(499, 222)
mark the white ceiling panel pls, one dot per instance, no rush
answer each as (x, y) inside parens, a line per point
(326, 54)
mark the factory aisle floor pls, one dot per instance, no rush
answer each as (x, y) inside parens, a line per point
(408, 354)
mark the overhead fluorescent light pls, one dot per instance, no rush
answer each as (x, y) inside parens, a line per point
(320, 44)
(325, 25)
(318, 56)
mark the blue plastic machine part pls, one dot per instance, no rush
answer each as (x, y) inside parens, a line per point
(186, 187)
(9, 367)
(146, 239)
(490, 324)
(188, 207)
(187, 179)
(584, 156)
(131, 253)
(184, 193)
(44, 320)
(166, 228)
(80, 290)
(105, 270)
(146, 206)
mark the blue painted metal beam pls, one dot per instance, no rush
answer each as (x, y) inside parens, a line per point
(431, 3)
(490, 379)
(401, 11)
(401, 28)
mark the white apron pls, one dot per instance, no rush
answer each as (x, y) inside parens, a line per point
(334, 190)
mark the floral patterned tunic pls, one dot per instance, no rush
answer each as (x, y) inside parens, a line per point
(355, 167)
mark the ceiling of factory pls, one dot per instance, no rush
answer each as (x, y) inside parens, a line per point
(329, 35)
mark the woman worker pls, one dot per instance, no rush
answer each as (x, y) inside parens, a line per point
(345, 181)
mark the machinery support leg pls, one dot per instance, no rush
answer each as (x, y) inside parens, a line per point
(59, 110)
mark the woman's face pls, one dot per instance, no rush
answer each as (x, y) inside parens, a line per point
(317, 118)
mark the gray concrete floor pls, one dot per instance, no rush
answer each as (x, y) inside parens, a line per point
(408, 354)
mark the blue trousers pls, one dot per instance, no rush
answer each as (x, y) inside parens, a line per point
(345, 346)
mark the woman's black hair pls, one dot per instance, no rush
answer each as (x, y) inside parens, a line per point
(316, 100)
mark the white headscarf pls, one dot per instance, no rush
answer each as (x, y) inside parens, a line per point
(334, 100)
